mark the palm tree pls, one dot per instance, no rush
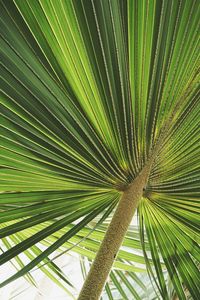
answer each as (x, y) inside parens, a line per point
(100, 117)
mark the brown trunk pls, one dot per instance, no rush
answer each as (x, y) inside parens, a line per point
(114, 236)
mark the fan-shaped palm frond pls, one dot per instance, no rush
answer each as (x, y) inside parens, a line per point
(92, 94)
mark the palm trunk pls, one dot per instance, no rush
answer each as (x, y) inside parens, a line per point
(114, 236)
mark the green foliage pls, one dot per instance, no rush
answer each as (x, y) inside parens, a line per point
(89, 89)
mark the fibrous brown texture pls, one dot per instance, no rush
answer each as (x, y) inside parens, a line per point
(114, 236)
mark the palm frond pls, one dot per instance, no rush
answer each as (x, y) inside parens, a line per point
(90, 89)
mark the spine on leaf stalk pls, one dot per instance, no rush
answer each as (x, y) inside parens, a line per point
(114, 236)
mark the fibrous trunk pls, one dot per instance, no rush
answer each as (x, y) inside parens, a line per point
(114, 236)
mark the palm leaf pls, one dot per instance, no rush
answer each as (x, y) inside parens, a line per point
(90, 90)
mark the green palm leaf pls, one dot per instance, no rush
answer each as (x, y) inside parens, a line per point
(90, 91)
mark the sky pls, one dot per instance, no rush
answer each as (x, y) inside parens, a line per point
(20, 289)
(47, 289)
